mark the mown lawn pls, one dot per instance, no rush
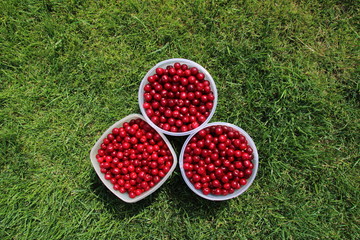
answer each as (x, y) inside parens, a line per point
(286, 71)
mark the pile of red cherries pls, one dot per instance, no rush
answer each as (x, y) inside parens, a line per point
(178, 98)
(134, 158)
(217, 160)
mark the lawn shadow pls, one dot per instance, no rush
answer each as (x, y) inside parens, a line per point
(118, 208)
(189, 203)
(183, 197)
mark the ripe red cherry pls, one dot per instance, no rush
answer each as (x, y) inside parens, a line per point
(200, 76)
(248, 172)
(222, 138)
(197, 185)
(194, 71)
(160, 71)
(196, 178)
(242, 181)
(206, 191)
(172, 71)
(151, 79)
(184, 67)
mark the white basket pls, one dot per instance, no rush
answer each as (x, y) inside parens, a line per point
(124, 196)
(237, 192)
(164, 64)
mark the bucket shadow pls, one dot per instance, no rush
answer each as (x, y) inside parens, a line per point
(118, 208)
(183, 197)
(189, 203)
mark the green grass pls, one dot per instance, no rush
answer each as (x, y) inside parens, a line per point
(286, 71)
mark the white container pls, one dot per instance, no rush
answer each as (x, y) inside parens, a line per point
(237, 192)
(125, 196)
(164, 64)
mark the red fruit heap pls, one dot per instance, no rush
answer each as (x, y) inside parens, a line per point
(217, 160)
(134, 158)
(178, 99)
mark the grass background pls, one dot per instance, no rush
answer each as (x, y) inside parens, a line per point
(286, 71)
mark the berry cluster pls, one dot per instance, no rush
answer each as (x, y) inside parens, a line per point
(134, 157)
(217, 160)
(178, 98)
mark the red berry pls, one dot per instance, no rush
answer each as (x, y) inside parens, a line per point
(151, 79)
(242, 181)
(206, 191)
(200, 76)
(197, 185)
(194, 70)
(160, 71)
(184, 67)
(172, 71)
